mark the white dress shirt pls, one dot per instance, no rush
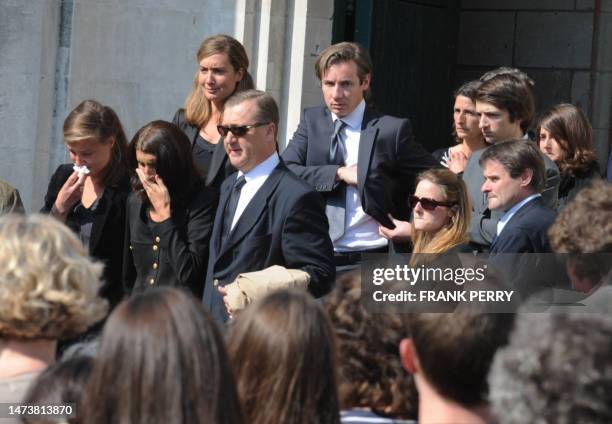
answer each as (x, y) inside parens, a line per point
(514, 209)
(361, 230)
(255, 178)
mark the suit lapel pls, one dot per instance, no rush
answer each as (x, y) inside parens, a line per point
(516, 217)
(217, 227)
(366, 144)
(326, 130)
(254, 210)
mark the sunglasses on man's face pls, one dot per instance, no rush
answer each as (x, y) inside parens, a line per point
(238, 131)
(428, 204)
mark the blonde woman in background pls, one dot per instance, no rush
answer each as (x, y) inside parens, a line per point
(48, 291)
(222, 71)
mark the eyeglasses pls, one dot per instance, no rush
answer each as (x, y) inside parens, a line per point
(429, 204)
(238, 131)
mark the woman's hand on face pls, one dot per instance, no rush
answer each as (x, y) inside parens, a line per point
(401, 232)
(158, 195)
(69, 195)
(457, 161)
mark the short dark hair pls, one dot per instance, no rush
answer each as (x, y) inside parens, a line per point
(344, 52)
(468, 89)
(556, 369)
(267, 109)
(174, 159)
(370, 373)
(516, 156)
(455, 351)
(508, 92)
(161, 360)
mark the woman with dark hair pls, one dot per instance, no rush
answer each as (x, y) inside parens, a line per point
(62, 384)
(465, 130)
(282, 351)
(161, 360)
(169, 215)
(89, 194)
(566, 137)
(222, 71)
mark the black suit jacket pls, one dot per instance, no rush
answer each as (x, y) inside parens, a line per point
(107, 232)
(220, 168)
(526, 232)
(173, 252)
(284, 224)
(388, 161)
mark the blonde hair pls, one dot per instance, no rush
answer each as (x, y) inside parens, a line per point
(456, 232)
(197, 106)
(48, 284)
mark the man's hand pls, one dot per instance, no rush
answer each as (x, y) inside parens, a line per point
(401, 232)
(348, 174)
(223, 291)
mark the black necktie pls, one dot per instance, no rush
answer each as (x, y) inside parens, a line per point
(230, 208)
(335, 208)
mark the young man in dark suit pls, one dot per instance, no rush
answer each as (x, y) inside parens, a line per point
(363, 162)
(266, 215)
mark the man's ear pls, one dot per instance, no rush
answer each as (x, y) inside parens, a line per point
(526, 177)
(365, 83)
(408, 356)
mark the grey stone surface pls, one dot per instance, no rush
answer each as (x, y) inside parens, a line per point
(551, 87)
(565, 43)
(605, 6)
(485, 38)
(604, 43)
(585, 4)
(602, 99)
(323, 9)
(600, 142)
(28, 45)
(581, 83)
(518, 4)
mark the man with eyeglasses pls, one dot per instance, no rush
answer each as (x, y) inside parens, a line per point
(363, 162)
(266, 215)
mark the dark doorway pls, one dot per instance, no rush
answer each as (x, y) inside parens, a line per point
(413, 47)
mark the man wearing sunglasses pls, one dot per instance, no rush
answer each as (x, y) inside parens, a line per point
(266, 215)
(363, 162)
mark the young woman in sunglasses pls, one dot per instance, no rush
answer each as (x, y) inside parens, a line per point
(222, 71)
(170, 213)
(441, 214)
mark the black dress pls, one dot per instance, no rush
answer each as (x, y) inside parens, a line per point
(210, 159)
(101, 227)
(173, 252)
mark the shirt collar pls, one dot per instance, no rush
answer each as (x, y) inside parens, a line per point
(355, 118)
(516, 207)
(264, 169)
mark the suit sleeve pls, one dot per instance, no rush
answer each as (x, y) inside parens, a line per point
(55, 185)
(412, 158)
(128, 268)
(550, 194)
(306, 244)
(188, 251)
(321, 177)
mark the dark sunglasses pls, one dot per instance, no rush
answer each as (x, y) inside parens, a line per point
(238, 131)
(429, 204)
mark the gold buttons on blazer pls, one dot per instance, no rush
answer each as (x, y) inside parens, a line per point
(152, 281)
(154, 265)
(131, 247)
(155, 247)
(157, 239)
(215, 282)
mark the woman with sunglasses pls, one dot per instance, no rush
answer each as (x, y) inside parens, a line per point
(170, 213)
(222, 71)
(441, 214)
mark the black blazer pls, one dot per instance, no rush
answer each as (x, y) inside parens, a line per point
(107, 232)
(172, 252)
(220, 167)
(526, 232)
(284, 224)
(388, 161)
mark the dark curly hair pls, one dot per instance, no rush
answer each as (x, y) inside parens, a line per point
(370, 374)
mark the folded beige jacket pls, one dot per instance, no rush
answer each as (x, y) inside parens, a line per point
(251, 286)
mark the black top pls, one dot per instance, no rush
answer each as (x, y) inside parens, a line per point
(106, 223)
(571, 184)
(215, 170)
(173, 252)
